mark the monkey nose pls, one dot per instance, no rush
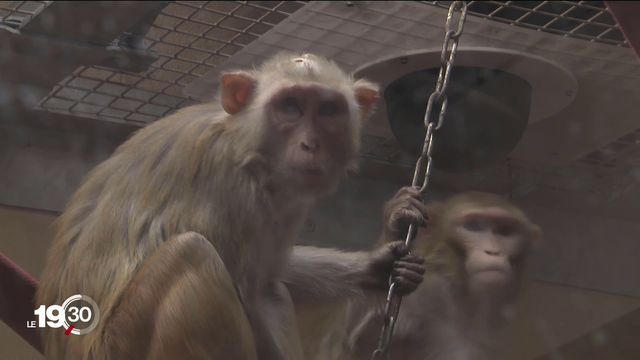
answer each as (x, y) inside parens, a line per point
(492, 252)
(310, 146)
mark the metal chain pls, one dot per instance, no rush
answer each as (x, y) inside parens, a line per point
(439, 95)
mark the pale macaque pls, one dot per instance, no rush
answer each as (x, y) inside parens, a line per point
(184, 236)
(475, 247)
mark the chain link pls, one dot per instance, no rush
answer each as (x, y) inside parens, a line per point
(439, 95)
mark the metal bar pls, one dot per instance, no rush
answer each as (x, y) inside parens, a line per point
(90, 22)
(626, 15)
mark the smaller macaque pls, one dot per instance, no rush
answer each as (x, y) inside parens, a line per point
(475, 248)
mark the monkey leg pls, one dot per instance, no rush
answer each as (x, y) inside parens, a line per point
(281, 325)
(181, 305)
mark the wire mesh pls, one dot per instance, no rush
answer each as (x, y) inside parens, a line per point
(587, 20)
(16, 14)
(190, 37)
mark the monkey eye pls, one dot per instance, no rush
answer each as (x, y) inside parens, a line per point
(473, 225)
(327, 109)
(504, 230)
(290, 106)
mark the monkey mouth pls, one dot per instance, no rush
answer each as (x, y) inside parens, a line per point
(493, 276)
(310, 169)
(312, 175)
(493, 271)
(496, 270)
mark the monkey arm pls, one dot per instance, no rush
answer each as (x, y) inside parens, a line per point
(317, 274)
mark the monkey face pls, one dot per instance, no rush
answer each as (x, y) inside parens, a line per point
(314, 127)
(308, 114)
(494, 240)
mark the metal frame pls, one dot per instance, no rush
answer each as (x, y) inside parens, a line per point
(595, 23)
(18, 13)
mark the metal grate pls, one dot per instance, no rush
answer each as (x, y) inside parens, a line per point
(619, 155)
(587, 20)
(190, 37)
(15, 14)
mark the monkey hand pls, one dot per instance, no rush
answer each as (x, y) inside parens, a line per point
(394, 260)
(405, 208)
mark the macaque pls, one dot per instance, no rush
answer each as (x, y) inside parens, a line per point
(475, 247)
(184, 236)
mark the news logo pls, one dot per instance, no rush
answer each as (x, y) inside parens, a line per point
(85, 318)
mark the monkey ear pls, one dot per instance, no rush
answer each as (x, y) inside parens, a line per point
(235, 90)
(536, 236)
(366, 95)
